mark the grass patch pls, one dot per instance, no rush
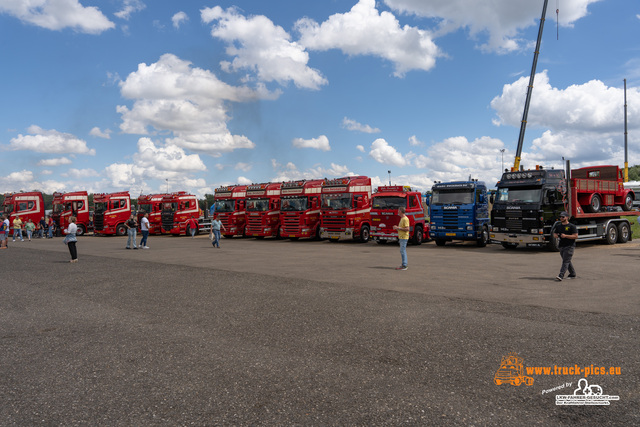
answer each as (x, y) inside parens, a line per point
(635, 226)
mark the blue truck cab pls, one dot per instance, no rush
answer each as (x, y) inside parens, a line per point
(459, 211)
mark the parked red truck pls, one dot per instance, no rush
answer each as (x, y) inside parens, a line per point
(384, 214)
(528, 203)
(70, 204)
(177, 209)
(111, 211)
(230, 207)
(300, 211)
(151, 204)
(27, 205)
(263, 210)
(346, 208)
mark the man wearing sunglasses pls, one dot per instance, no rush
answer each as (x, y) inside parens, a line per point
(567, 233)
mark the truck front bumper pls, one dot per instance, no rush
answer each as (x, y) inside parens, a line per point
(524, 239)
(347, 234)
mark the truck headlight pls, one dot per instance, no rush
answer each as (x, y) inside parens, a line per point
(470, 227)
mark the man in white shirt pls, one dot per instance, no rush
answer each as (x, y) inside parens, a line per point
(144, 227)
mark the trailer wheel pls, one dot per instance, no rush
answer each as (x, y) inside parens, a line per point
(628, 203)
(595, 204)
(81, 230)
(440, 242)
(417, 236)
(612, 234)
(121, 230)
(508, 245)
(484, 238)
(364, 234)
(623, 232)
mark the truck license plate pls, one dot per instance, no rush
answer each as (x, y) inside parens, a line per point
(450, 234)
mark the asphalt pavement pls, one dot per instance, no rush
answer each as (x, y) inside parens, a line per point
(264, 332)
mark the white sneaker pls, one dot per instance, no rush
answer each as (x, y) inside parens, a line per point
(145, 247)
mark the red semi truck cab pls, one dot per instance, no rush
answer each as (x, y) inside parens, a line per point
(151, 204)
(230, 207)
(75, 204)
(384, 214)
(27, 205)
(263, 210)
(111, 211)
(177, 209)
(346, 208)
(300, 210)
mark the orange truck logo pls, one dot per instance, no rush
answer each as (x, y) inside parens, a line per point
(511, 371)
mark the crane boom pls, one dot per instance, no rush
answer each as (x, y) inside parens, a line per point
(523, 124)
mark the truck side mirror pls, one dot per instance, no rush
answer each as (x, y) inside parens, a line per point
(427, 200)
(491, 199)
(482, 199)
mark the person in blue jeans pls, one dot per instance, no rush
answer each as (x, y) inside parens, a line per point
(215, 231)
(403, 228)
(132, 228)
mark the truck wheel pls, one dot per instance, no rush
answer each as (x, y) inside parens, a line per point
(121, 230)
(364, 234)
(508, 245)
(484, 238)
(623, 232)
(417, 236)
(628, 203)
(612, 234)
(440, 242)
(595, 204)
(81, 230)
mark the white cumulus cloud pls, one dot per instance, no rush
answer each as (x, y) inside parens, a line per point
(58, 15)
(350, 124)
(50, 141)
(258, 45)
(319, 143)
(386, 154)
(129, 7)
(366, 31)
(178, 19)
(96, 131)
(171, 95)
(55, 162)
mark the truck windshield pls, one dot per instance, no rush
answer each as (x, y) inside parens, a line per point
(389, 202)
(57, 208)
(294, 204)
(519, 195)
(337, 201)
(8, 208)
(225, 205)
(143, 207)
(172, 207)
(258, 205)
(100, 207)
(452, 197)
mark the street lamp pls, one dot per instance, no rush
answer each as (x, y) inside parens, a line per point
(502, 152)
(167, 179)
(389, 172)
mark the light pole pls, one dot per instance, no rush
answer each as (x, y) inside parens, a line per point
(502, 152)
(389, 172)
(167, 179)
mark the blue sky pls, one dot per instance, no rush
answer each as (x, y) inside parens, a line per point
(142, 95)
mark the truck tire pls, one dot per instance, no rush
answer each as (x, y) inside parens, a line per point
(417, 236)
(611, 237)
(628, 203)
(440, 242)
(364, 234)
(121, 230)
(81, 230)
(508, 245)
(623, 232)
(595, 204)
(484, 238)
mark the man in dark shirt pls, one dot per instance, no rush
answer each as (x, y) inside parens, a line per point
(567, 233)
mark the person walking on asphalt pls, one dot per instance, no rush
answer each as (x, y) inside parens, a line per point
(17, 228)
(567, 233)
(4, 231)
(132, 226)
(215, 231)
(192, 226)
(403, 237)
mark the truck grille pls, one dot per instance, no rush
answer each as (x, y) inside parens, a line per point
(167, 221)
(98, 221)
(335, 222)
(450, 220)
(513, 220)
(291, 222)
(254, 224)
